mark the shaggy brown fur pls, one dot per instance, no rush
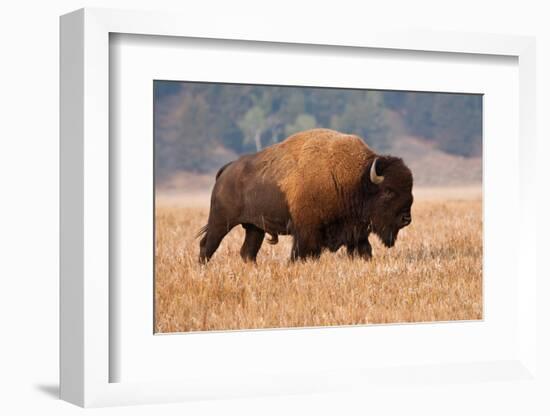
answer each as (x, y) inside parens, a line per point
(308, 166)
(316, 186)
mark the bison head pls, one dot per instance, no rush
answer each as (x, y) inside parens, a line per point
(389, 186)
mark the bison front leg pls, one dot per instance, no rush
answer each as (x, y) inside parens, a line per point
(306, 245)
(362, 248)
(252, 242)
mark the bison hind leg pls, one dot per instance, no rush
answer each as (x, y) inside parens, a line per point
(252, 242)
(211, 240)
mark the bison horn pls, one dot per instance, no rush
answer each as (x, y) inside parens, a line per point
(373, 176)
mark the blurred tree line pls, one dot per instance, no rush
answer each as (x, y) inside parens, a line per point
(200, 126)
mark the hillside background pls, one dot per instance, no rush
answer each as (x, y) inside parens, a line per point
(201, 126)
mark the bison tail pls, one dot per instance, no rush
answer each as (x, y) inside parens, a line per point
(202, 231)
(274, 239)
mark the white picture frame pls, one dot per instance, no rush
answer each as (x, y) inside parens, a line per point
(85, 354)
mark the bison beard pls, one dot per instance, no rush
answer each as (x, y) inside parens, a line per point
(326, 189)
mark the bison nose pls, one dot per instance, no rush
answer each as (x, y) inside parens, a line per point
(406, 220)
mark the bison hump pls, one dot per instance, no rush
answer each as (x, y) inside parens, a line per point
(317, 171)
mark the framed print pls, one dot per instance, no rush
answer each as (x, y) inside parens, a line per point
(380, 166)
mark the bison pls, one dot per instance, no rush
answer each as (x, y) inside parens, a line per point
(325, 188)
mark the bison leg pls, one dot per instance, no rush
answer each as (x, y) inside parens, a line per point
(252, 242)
(362, 249)
(306, 245)
(211, 241)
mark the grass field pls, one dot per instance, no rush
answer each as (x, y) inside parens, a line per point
(434, 273)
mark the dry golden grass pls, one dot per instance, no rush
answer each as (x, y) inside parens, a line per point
(434, 273)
